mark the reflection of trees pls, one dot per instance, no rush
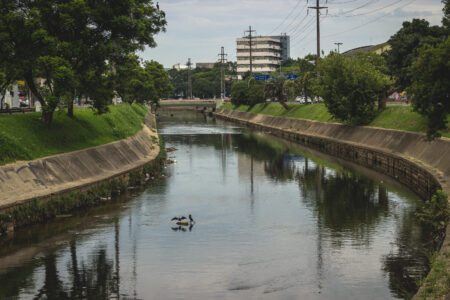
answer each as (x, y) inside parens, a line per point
(409, 263)
(347, 204)
(93, 280)
(278, 165)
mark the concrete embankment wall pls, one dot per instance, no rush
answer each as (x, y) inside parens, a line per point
(408, 157)
(24, 181)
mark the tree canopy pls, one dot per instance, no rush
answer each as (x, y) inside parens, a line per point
(350, 87)
(404, 47)
(431, 85)
(73, 45)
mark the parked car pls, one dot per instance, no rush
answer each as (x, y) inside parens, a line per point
(300, 99)
(24, 103)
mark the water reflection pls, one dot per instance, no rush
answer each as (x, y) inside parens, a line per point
(276, 221)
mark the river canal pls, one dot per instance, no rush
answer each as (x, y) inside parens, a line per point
(273, 221)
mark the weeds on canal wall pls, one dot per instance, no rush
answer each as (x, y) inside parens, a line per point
(434, 215)
(437, 284)
(42, 210)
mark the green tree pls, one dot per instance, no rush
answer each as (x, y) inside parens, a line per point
(275, 89)
(291, 89)
(431, 85)
(446, 9)
(350, 87)
(239, 92)
(160, 80)
(131, 82)
(83, 39)
(255, 93)
(405, 44)
(305, 83)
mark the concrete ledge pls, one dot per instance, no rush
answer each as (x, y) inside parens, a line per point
(408, 157)
(24, 181)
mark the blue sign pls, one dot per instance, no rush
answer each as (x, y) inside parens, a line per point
(262, 77)
(291, 76)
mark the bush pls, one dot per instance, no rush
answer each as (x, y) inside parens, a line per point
(248, 94)
(238, 92)
(350, 87)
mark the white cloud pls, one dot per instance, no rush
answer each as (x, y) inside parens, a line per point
(198, 28)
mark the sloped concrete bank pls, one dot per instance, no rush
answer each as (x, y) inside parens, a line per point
(77, 177)
(408, 157)
(421, 165)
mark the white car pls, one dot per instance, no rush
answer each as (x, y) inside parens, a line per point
(300, 99)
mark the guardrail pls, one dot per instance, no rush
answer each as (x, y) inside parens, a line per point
(16, 110)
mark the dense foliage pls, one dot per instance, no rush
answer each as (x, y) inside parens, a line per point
(247, 93)
(205, 82)
(431, 85)
(350, 86)
(73, 46)
(405, 45)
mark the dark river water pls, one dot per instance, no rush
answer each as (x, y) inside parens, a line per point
(273, 221)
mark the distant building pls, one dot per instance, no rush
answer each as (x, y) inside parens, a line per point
(179, 67)
(268, 52)
(205, 65)
(377, 49)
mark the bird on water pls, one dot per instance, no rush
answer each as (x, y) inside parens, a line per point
(183, 221)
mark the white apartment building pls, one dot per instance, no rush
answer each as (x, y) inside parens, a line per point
(267, 53)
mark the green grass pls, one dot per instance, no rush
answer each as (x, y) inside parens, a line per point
(317, 112)
(393, 117)
(437, 284)
(25, 137)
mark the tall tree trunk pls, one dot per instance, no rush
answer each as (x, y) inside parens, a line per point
(47, 112)
(70, 109)
(382, 103)
(47, 116)
(284, 104)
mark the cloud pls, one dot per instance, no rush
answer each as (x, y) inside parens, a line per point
(198, 28)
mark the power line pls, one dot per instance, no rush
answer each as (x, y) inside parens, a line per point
(294, 31)
(295, 18)
(299, 33)
(369, 22)
(375, 10)
(357, 8)
(285, 19)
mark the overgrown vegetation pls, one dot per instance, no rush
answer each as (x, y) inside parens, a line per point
(393, 117)
(25, 137)
(434, 215)
(39, 211)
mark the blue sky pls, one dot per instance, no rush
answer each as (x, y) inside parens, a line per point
(198, 28)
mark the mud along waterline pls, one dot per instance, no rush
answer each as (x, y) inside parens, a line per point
(273, 221)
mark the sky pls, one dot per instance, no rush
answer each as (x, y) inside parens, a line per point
(197, 29)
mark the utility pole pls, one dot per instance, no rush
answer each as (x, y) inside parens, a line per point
(250, 36)
(189, 91)
(222, 60)
(318, 8)
(338, 44)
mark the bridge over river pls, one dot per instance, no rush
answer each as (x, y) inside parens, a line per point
(198, 104)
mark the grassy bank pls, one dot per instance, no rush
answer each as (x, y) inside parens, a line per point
(25, 137)
(394, 117)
